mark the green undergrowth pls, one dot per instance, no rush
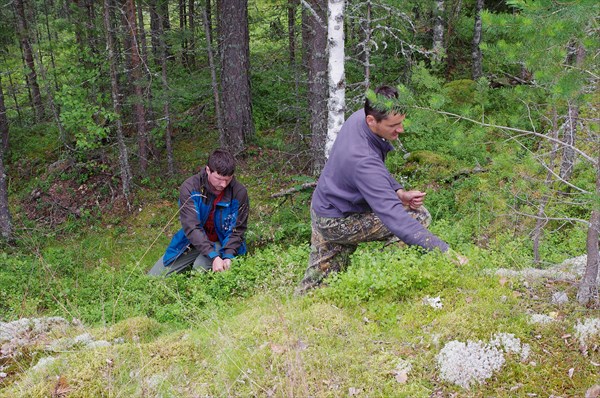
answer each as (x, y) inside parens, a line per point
(275, 344)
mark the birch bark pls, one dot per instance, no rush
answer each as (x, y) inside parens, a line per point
(337, 82)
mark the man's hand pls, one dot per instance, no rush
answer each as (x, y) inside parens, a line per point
(220, 265)
(412, 199)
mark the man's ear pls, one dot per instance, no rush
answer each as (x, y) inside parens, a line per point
(207, 170)
(371, 120)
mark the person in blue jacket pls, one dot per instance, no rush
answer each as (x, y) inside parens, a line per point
(358, 200)
(214, 209)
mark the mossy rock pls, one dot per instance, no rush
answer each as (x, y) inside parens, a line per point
(461, 91)
(435, 165)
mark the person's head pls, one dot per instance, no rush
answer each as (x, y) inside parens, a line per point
(219, 169)
(385, 124)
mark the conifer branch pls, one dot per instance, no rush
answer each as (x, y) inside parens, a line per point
(524, 132)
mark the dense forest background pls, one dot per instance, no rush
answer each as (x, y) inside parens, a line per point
(106, 107)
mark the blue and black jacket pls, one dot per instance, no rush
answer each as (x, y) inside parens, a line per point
(231, 217)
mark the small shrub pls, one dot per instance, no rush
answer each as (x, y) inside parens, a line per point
(393, 274)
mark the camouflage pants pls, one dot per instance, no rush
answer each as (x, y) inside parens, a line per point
(333, 240)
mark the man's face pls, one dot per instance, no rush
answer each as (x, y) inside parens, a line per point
(388, 128)
(216, 182)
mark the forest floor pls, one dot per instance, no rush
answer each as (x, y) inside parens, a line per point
(83, 320)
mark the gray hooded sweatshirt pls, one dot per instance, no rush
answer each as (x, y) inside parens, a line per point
(356, 180)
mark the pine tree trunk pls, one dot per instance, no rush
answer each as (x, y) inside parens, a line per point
(158, 7)
(142, 33)
(3, 122)
(234, 40)
(292, 8)
(438, 30)
(136, 75)
(163, 7)
(476, 56)
(452, 18)
(314, 37)
(124, 53)
(182, 29)
(337, 82)
(213, 74)
(166, 110)
(588, 287)
(292, 5)
(5, 217)
(154, 30)
(150, 123)
(209, 22)
(192, 34)
(123, 157)
(31, 75)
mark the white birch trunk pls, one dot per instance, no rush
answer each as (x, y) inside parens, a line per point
(438, 30)
(337, 82)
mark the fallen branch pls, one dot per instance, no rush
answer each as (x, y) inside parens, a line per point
(292, 190)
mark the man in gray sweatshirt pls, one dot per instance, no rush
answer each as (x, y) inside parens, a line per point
(358, 200)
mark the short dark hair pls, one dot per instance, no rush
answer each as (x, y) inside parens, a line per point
(222, 162)
(386, 91)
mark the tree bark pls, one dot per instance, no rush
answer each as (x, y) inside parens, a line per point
(292, 5)
(213, 73)
(31, 75)
(234, 41)
(5, 217)
(166, 109)
(314, 35)
(123, 157)
(476, 56)
(337, 81)
(155, 30)
(192, 34)
(588, 287)
(3, 122)
(142, 33)
(292, 8)
(209, 22)
(438, 31)
(136, 75)
(183, 30)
